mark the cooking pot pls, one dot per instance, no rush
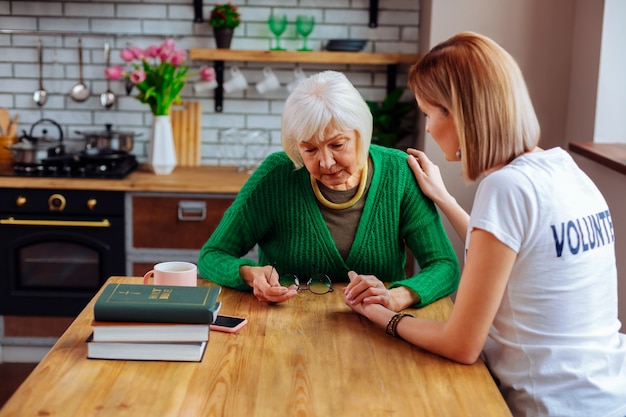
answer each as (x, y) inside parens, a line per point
(24, 152)
(33, 150)
(108, 139)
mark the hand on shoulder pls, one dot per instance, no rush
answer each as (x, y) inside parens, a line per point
(428, 176)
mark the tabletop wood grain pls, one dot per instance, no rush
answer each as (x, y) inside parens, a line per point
(310, 356)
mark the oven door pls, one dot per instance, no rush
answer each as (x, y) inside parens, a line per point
(54, 267)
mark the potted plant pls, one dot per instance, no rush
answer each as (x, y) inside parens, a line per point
(391, 118)
(224, 19)
(159, 73)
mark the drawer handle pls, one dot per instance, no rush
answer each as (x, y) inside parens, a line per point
(191, 211)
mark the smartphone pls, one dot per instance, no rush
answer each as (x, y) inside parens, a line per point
(228, 324)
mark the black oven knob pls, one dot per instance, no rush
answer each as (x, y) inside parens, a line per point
(21, 201)
(56, 202)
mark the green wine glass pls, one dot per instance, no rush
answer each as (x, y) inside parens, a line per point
(304, 26)
(278, 24)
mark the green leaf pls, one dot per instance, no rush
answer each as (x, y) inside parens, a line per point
(392, 118)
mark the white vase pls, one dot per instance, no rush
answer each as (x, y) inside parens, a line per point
(161, 151)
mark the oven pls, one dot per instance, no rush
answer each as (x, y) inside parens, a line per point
(57, 248)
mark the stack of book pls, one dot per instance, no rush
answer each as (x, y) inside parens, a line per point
(152, 322)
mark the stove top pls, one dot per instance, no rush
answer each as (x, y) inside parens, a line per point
(114, 165)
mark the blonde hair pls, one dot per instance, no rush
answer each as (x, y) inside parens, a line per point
(321, 99)
(482, 87)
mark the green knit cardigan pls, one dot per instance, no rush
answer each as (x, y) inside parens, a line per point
(277, 210)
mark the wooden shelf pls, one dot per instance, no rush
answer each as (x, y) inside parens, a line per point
(314, 57)
(218, 56)
(611, 155)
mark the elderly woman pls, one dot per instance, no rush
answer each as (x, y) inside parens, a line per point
(329, 204)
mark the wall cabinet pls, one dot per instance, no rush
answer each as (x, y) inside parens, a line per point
(218, 56)
(169, 227)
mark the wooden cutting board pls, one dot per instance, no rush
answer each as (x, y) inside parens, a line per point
(187, 129)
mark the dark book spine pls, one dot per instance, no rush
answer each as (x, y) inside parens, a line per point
(152, 314)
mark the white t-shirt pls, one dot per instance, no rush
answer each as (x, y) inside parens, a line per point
(554, 345)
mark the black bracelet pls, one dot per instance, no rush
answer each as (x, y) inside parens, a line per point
(393, 323)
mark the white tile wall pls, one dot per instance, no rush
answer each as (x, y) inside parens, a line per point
(150, 21)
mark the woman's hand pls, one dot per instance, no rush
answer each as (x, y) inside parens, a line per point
(368, 289)
(374, 312)
(427, 175)
(265, 285)
(429, 179)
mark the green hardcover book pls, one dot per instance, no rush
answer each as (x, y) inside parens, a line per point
(157, 303)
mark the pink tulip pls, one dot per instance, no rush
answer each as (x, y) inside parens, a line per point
(178, 57)
(138, 52)
(164, 53)
(168, 44)
(114, 72)
(127, 55)
(137, 76)
(152, 51)
(207, 74)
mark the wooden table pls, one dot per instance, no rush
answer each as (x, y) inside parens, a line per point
(310, 356)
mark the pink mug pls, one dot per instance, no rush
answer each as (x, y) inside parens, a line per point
(184, 274)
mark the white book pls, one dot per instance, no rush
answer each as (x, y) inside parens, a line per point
(147, 351)
(109, 331)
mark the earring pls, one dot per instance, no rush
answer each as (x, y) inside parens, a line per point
(458, 154)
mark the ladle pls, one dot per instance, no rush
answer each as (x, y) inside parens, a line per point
(80, 92)
(107, 99)
(40, 96)
(128, 86)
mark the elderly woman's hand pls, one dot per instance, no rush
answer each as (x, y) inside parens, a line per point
(368, 289)
(265, 285)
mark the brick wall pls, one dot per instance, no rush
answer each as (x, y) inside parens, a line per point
(59, 24)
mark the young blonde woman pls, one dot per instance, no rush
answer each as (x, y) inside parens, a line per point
(538, 293)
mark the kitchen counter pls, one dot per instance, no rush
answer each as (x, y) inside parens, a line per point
(201, 179)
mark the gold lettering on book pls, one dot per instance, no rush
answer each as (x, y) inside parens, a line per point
(154, 294)
(166, 294)
(128, 292)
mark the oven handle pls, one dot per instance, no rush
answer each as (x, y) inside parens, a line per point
(13, 221)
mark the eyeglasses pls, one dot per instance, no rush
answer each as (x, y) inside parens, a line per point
(318, 284)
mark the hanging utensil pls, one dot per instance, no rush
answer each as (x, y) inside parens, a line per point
(107, 99)
(40, 96)
(129, 84)
(80, 92)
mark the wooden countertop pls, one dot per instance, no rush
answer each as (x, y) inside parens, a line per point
(611, 155)
(310, 356)
(202, 179)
